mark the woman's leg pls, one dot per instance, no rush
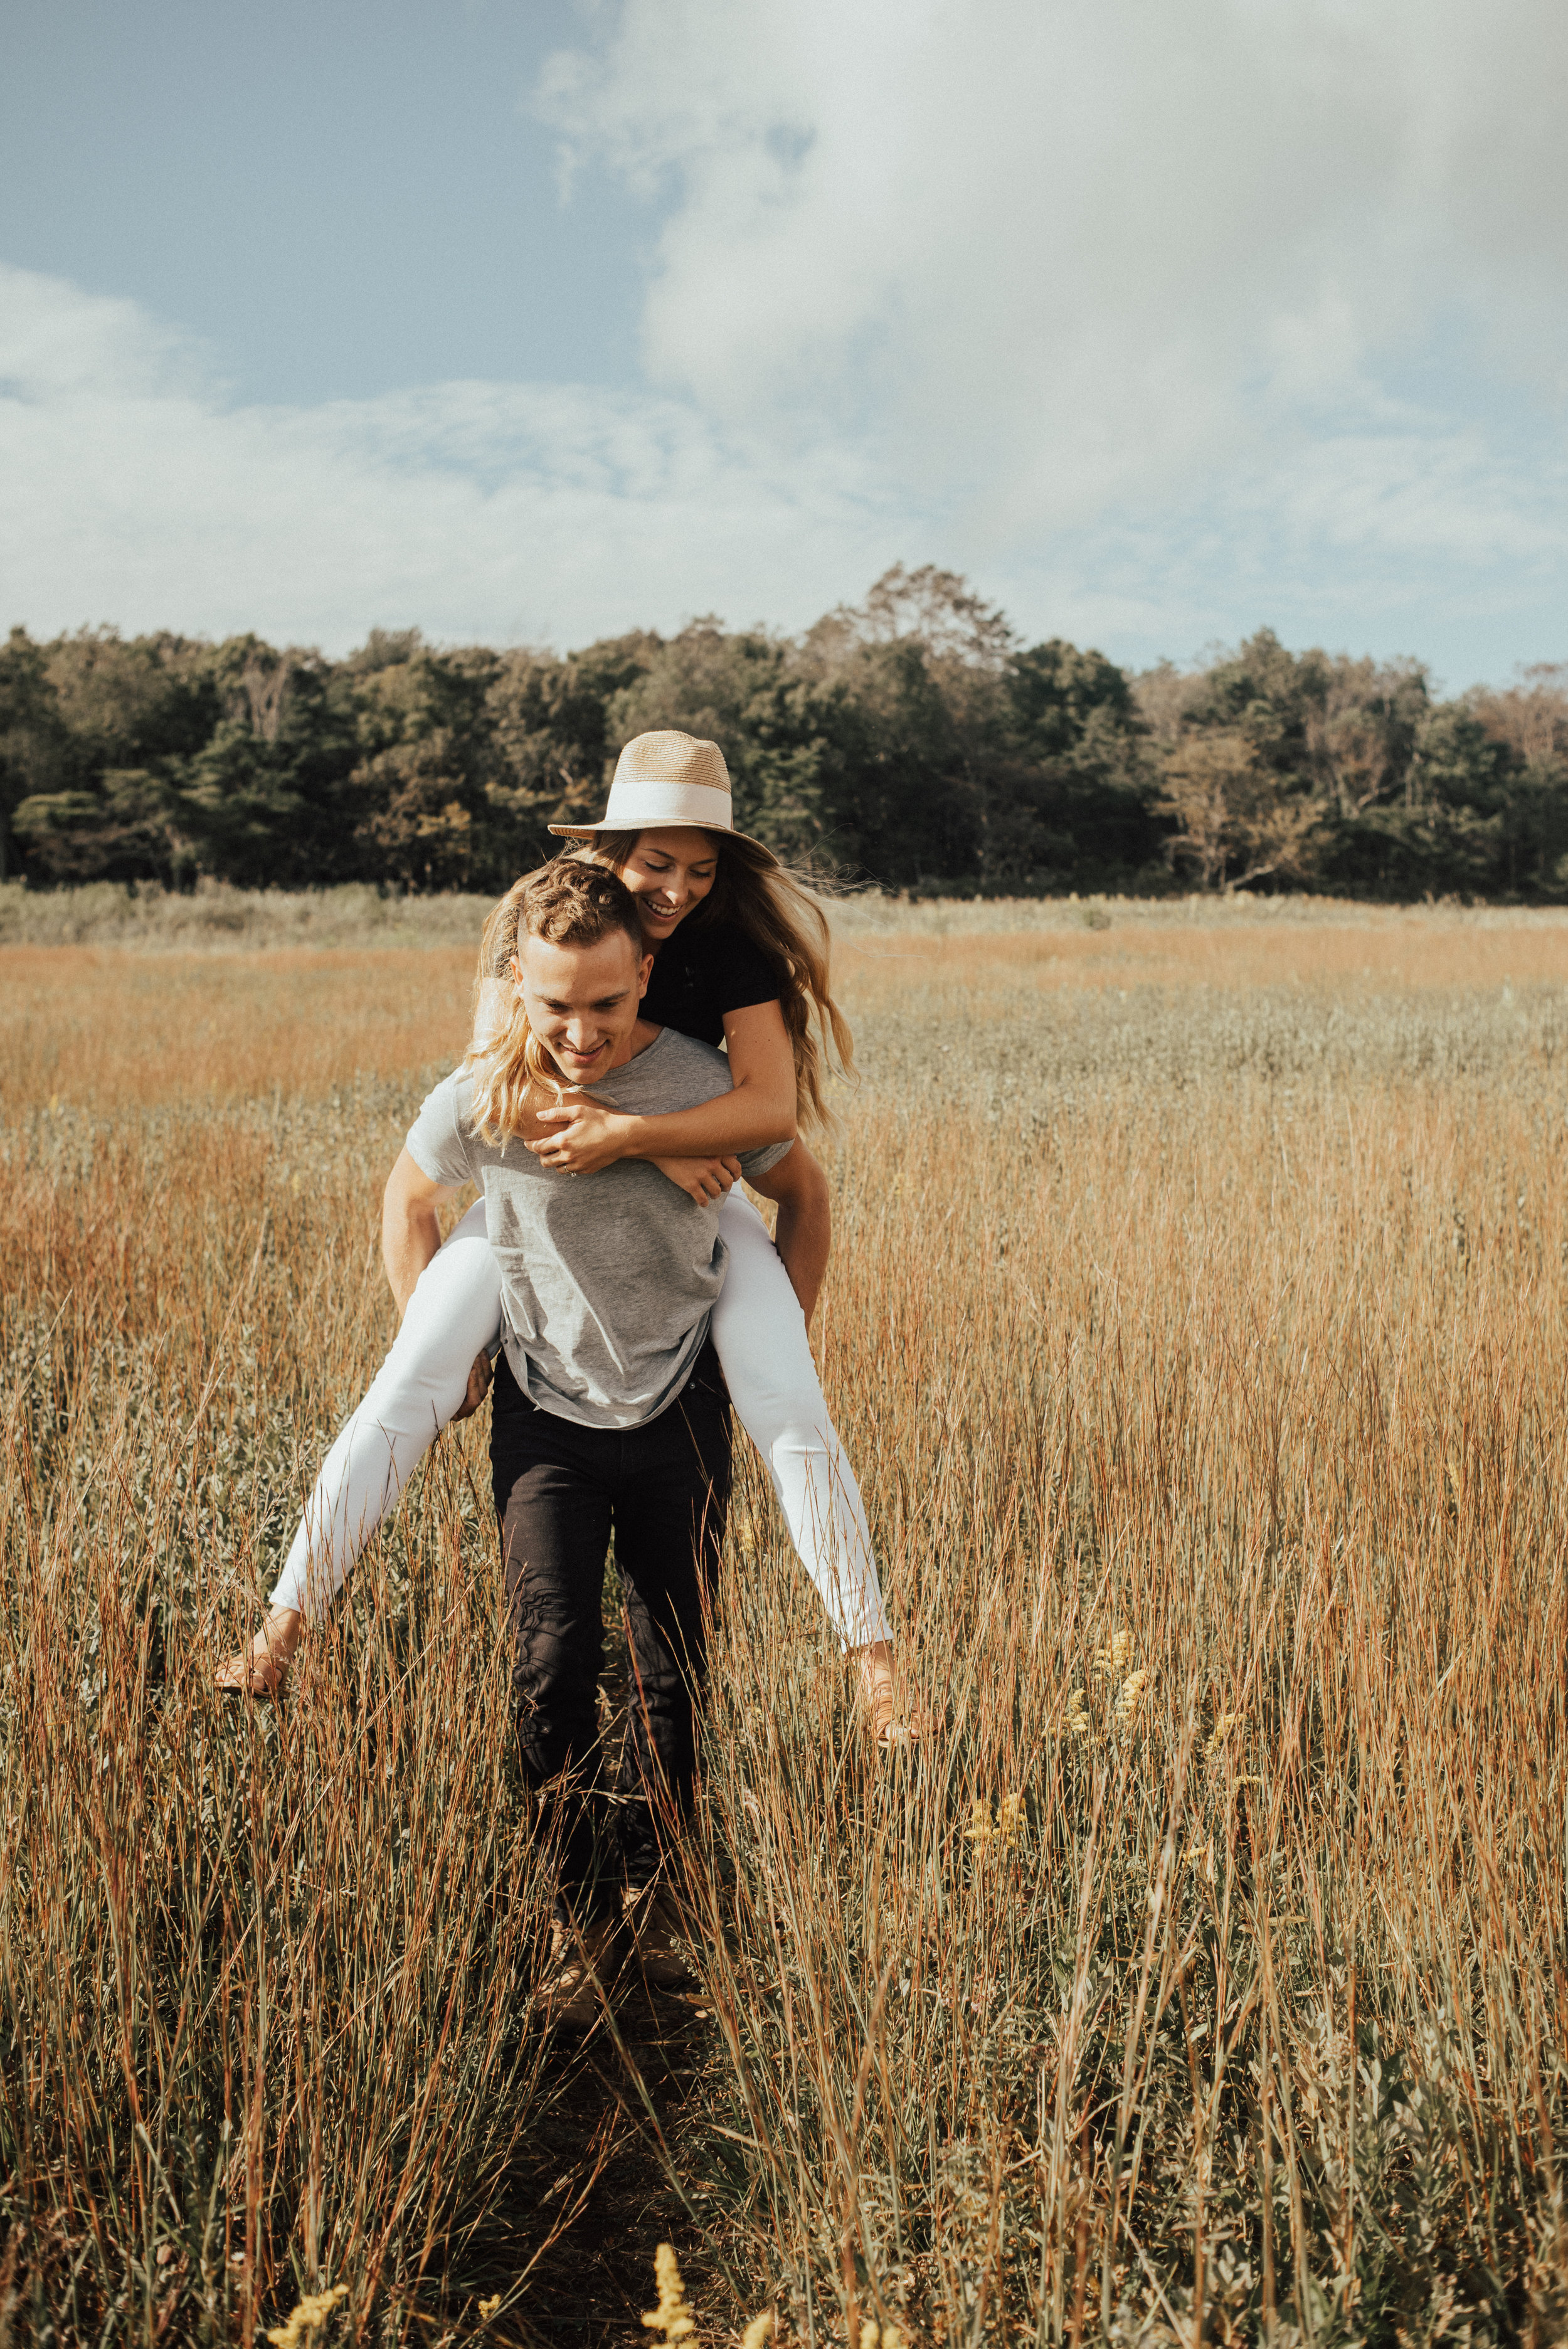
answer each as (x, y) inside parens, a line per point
(759, 1331)
(453, 1316)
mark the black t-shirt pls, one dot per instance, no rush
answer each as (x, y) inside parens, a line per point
(703, 970)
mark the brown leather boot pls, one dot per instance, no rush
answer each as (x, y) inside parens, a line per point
(658, 1936)
(580, 1974)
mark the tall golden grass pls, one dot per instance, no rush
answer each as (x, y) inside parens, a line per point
(1197, 1326)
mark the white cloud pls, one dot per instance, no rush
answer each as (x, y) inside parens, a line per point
(133, 489)
(1063, 253)
(1162, 319)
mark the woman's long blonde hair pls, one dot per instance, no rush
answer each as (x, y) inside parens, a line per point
(756, 894)
(574, 903)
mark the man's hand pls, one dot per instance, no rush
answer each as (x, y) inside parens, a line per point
(585, 1137)
(702, 1179)
(480, 1379)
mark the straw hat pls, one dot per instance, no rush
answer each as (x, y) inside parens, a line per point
(668, 779)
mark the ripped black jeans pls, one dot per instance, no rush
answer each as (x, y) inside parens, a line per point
(559, 1489)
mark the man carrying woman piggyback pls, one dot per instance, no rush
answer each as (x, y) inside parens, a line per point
(632, 1290)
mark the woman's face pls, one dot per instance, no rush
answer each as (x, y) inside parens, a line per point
(668, 873)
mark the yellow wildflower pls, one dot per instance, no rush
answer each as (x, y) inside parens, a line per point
(672, 2317)
(1222, 1728)
(489, 2307)
(1129, 1695)
(1111, 1660)
(311, 2313)
(1008, 1824)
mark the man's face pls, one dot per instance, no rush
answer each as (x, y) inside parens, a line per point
(583, 1001)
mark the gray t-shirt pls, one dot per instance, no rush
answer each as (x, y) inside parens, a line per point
(607, 1280)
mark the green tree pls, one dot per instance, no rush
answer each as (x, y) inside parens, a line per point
(1333, 740)
(418, 793)
(32, 733)
(911, 738)
(1233, 824)
(962, 756)
(912, 693)
(132, 701)
(549, 721)
(131, 710)
(1531, 721)
(133, 825)
(1084, 785)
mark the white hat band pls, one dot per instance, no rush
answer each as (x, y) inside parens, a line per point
(636, 800)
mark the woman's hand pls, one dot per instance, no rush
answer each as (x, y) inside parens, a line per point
(585, 1137)
(702, 1179)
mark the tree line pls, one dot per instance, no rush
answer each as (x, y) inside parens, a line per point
(913, 741)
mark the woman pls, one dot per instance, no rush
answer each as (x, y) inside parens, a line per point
(751, 970)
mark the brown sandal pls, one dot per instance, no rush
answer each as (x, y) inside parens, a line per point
(255, 1671)
(894, 1727)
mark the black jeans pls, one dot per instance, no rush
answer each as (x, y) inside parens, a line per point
(559, 1488)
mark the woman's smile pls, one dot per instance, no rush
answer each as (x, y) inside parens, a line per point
(669, 872)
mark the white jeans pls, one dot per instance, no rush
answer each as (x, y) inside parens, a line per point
(454, 1314)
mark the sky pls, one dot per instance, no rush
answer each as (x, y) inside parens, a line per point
(531, 321)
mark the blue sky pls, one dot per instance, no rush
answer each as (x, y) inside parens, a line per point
(535, 322)
(340, 199)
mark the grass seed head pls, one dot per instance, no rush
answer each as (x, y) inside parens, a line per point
(1075, 1721)
(309, 2315)
(1129, 1695)
(1113, 1657)
(672, 2317)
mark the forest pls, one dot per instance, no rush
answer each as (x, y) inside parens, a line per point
(914, 743)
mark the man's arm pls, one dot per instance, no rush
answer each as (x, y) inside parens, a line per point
(805, 1233)
(410, 1234)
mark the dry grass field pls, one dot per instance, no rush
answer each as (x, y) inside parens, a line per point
(1197, 1323)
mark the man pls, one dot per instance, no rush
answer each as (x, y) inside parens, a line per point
(610, 1408)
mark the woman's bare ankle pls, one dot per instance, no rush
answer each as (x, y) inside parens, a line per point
(876, 1664)
(262, 1666)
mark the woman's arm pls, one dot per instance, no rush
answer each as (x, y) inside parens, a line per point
(805, 1233)
(758, 1109)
